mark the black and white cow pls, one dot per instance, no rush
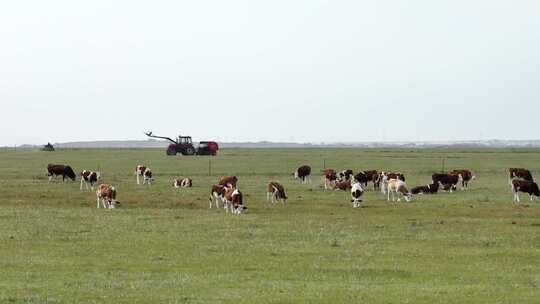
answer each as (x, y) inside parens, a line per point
(448, 181)
(344, 175)
(356, 194)
(89, 177)
(526, 187)
(429, 189)
(64, 170)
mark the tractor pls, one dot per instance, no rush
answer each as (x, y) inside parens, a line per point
(184, 146)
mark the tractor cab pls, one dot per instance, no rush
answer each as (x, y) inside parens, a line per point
(184, 140)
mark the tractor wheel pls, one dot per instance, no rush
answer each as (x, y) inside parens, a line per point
(190, 151)
(171, 152)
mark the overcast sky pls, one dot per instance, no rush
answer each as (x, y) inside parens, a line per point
(305, 71)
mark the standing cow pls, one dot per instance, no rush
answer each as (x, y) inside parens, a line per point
(145, 173)
(330, 176)
(384, 177)
(275, 193)
(466, 177)
(398, 187)
(89, 177)
(448, 181)
(356, 194)
(106, 194)
(304, 174)
(233, 200)
(217, 194)
(526, 187)
(64, 170)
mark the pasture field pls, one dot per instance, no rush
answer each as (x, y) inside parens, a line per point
(165, 246)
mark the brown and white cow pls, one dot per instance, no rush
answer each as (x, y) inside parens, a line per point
(466, 177)
(229, 181)
(89, 177)
(106, 194)
(217, 194)
(429, 189)
(384, 177)
(64, 170)
(398, 187)
(145, 173)
(233, 200)
(330, 176)
(304, 174)
(185, 182)
(519, 173)
(525, 186)
(275, 193)
(344, 185)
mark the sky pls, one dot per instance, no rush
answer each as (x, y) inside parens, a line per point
(295, 70)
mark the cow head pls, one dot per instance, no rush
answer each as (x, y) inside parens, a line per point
(70, 173)
(534, 190)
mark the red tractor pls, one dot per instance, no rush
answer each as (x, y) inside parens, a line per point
(184, 146)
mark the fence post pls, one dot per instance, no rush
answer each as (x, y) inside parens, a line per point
(442, 169)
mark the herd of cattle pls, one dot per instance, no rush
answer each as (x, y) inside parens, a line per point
(226, 191)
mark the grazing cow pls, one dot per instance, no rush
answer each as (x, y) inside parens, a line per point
(448, 181)
(276, 193)
(183, 183)
(429, 189)
(303, 173)
(145, 173)
(217, 194)
(344, 185)
(228, 181)
(363, 177)
(233, 200)
(106, 194)
(356, 194)
(89, 177)
(384, 177)
(344, 175)
(526, 187)
(519, 173)
(399, 188)
(466, 177)
(330, 177)
(64, 170)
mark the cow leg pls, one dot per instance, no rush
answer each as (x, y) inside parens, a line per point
(268, 197)
(138, 182)
(530, 197)
(82, 180)
(98, 202)
(516, 197)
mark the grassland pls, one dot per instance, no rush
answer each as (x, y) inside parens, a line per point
(165, 246)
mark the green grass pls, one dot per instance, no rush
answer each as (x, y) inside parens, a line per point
(165, 246)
